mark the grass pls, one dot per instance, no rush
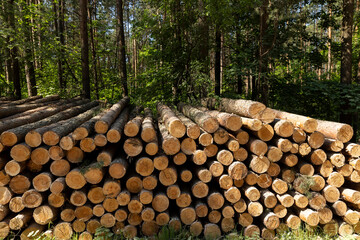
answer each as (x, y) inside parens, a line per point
(168, 233)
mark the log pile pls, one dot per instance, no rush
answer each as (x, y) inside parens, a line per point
(228, 164)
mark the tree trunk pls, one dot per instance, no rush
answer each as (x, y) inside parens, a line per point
(122, 46)
(93, 50)
(329, 63)
(346, 54)
(84, 48)
(217, 61)
(60, 32)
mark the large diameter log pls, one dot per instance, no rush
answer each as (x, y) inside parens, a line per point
(116, 129)
(339, 131)
(242, 107)
(103, 124)
(15, 135)
(204, 120)
(309, 125)
(170, 144)
(173, 124)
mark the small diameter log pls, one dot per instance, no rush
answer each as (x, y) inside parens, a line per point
(75, 155)
(103, 124)
(56, 153)
(215, 200)
(42, 181)
(257, 146)
(75, 179)
(350, 195)
(13, 168)
(20, 152)
(270, 220)
(316, 140)
(60, 168)
(184, 200)
(274, 154)
(150, 182)
(255, 209)
(196, 228)
(34, 230)
(19, 184)
(93, 173)
(242, 136)
(15, 205)
(317, 201)
(338, 131)
(284, 144)
(309, 216)
(333, 145)
(259, 164)
(335, 179)
(100, 140)
(78, 198)
(63, 230)
(56, 199)
(216, 168)
(318, 183)
(134, 184)
(286, 200)
(205, 139)
(264, 180)
(40, 155)
(111, 188)
(160, 202)
(203, 119)
(44, 214)
(292, 221)
(309, 125)
(148, 131)
(299, 135)
(304, 149)
(144, 166)
(237, 170)
(232, 144)
(352, 149)
(211, 231)
(87, 144)
(232, 194)
(170, 144)
(268, 199)
(20, 220)
(172, 123)
(221, 136)
(118, 167)
(152, 148)
(241, 154)
(115, 131)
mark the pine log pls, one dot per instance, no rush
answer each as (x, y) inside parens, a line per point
(58, 185)
(309, 216)
(205, 139)
(78, 198)
(34, 230)
(274, 154)
(304, 149)
(192, 129)
(245, 219)
(284, 144)
(20, 152)
(229, 121)
(115, 131)
(257, 146)
(13, 168)
(100, 140)
(241, 136)
(199, 189)
(259, 164)
(44, 214)
(15, 135)
(75, 155)
(252, 193)
(150, 182)
(111, 187)
(352, 149)
(87, 144)
(160, 202)
(32, 198)
(237, 170)
(93, 173)
(333, 145)
(15, 205)
(170, 144)
(63, 230)
(221, 136)
(118, 168)
(102, 125)
(318, 183)
(179, 158)
(196, 228)
(226, 182)
(19, 184)
(317, 201)
(286, 200)
(172, 123)
(214, 216)
(75, 179)
(309, 125)
(255, 209)
(215, 200)
(265, 133)
(203, 119)
(134, 184)
(264, 180)
(56, 199)
(168, 176)
(216, 168)
(56, 153)
(338, 131)
(60, 168)
(42, 181)
(241, 154)
(293, 221)
(87, 128)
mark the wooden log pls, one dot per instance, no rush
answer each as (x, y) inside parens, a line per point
(242, 136)
(179, 158)
(196, 228)
(87, 144)
(20, 152)
(92, 225)
(317, 201)
(17, 134)
(118, 167)
(75, 179)
(241, 154)
(216, 168)
(40, 155)
(162, 218)
(255, 209)
(340, 208)
(188, 146)
(345, 170)
(147, 214)
(192, 129)
(229, 121)
(152, 148)
(228, 211)
(201, 209)
(63, 230)
(15, 205)
(42, 181)
(351, 217)
(264, 180)
(75, 155)
(304, 149)
(333, 145)
(133, 126)
(103, 124)
(232, 194)
(108, 153)
(279, 186)
(56, 153)
(83, 212)
(148, 132)
(237, 170)
(116, 129)
(338, 131)
(270, 220)
(20, 220)
(32, 198)
(199, 157)
(317, 157)
(352, 149)
(98, 211)
(93, 173)
(150, 182)
(299, 135)
(305, 168)
(335, 179)
(274, 169)
(172, 123)
(257, 146)
(78, 226)
(186, 175)
(252, 193)
(232, 144)
(19, 184)
(13, 168)
(274, 154)
(211, 231)
(293, 221)
(245, 219)
(203, 119)
(259, 164)
(170, 144)
(285, 200)
(44, 214)
(146, 196)
(78, 198)
(60, 168)
(214, 216)
(185, 199)
(288, 175)
(315, 140)
(100, 140)
(123, 198)
(295, 148)
(149, 228)
(309, 216)
(318, 183)
(345, 229)
(160, 202)
(111, 188)
(168, 176)
(226, 182)
(215, 200)
(280, 210)
(325, 169)
(87, 128)
(284, 144)
(205, 139)
(265, 133)
(309, 125)
(144, 166)
(67, 214)
(221, 136)
(34, 230)
(56, 199)
(33, 167)
(251, 178)
(52, 135)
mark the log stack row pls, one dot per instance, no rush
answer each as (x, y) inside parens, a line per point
(227, 164)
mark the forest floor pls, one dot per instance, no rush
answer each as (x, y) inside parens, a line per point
(165, 233)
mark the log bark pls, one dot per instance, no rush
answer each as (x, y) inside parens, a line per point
(338, 131)
(309, 125)
(102, 125)
(170, 144)
(172, 123)
(229, 121)
(148, 131)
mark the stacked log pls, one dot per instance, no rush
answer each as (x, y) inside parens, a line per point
(232, 165)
